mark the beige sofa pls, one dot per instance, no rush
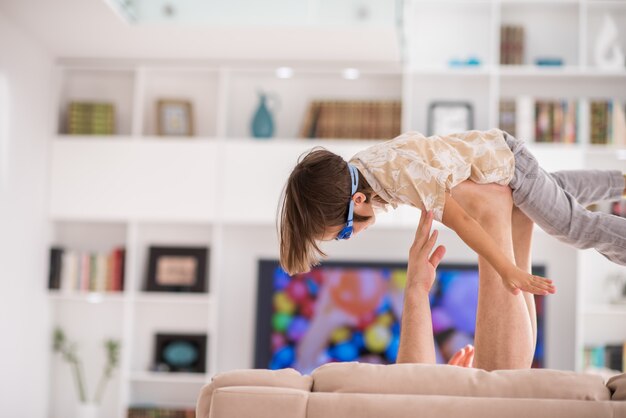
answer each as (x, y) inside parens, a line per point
(358, 390)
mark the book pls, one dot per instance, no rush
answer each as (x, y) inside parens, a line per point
(89, 118)
(618, 122)
(597, 357)
(614, 356)
(352, 119)
(570, 122)
(610, 356)
(72, 271)
(91, 281)
(507, 116)
(599, 122)
(71, 266)
(118, 274)
(101, 273)
(525, 118)
(543, 121)
(555, 121)
(511, 45)
(54, 272)
(156, 412)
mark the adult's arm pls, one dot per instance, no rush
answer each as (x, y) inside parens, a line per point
(416, 332)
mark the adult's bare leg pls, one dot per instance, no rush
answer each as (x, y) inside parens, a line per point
(504, 332)
(522, 233)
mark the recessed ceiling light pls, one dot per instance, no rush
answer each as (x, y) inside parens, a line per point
(350, 73)
(94, 297)
(284, 72)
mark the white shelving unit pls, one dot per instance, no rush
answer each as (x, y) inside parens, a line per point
(220, 188)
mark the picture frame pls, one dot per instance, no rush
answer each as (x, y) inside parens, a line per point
(448, 117)
(174, 118)
(177, 269)
(180, 353)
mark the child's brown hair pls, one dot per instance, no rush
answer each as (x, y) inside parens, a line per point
(316, 196)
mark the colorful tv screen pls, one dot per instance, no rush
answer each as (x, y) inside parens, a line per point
(351, 312)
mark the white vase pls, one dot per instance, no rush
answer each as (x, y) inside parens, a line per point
(86, 410)
(608, 54)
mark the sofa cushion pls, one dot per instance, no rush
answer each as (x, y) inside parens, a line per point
(258, 402)
(428, 379)
(285, 378)
(358, 405)
(617, 385)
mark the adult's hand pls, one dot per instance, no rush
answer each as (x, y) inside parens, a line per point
(422, 265)
(464, 357)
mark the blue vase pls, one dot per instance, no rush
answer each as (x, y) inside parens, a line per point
(262, 123)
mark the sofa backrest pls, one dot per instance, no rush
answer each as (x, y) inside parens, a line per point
(239, 391)
(427, 379)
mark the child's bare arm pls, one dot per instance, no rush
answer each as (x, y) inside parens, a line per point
(470, 231)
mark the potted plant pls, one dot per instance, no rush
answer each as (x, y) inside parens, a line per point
(88, 407)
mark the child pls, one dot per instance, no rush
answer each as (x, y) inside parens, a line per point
(327, 198)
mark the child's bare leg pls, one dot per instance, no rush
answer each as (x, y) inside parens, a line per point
(522, 231)
(504, 332)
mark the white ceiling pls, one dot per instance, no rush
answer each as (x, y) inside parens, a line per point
(90, 28)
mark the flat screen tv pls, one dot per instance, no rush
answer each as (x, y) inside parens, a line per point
(350, 311)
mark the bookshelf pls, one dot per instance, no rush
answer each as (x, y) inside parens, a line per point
(220, 188)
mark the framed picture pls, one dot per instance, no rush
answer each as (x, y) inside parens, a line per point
(450, 117)
(174, 118)
(177, 269)
(180, 353)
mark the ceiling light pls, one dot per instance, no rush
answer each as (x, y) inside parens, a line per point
(350, 73)
(94, 298)
(284, 72)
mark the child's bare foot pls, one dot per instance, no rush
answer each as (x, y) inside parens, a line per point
(518, 279)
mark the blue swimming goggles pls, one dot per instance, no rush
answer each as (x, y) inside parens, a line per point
(346, 232)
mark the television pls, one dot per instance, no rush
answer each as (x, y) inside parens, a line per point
(350, 311)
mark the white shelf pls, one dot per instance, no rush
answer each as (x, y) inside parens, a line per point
(88, 297)
(540, 2)
(173, 298)
(165, 377)
(445, 71)
(556, 71)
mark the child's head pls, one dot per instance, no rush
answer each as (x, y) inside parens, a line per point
(315, 208)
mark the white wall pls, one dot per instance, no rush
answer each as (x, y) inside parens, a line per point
(25, 126)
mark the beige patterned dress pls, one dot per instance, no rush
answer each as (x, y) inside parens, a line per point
(417, 170)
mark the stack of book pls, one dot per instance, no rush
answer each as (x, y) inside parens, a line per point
(508, 116)
(75, 271)
(352, 119)
(608, 122)
(150, 412)
(554, 121)
(612, 356)
(511, 45)
(85, 118)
